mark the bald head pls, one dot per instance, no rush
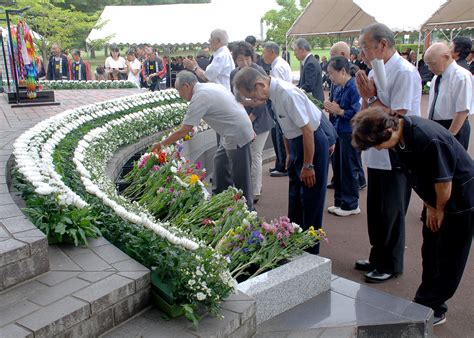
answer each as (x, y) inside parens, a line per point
(438, 57)
(340, 49)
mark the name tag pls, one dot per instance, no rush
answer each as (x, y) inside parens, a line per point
(152, 67)
(57, 66)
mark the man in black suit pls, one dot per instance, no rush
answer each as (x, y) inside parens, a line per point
(311, 78)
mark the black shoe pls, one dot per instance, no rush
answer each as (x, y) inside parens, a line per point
(255, 199)
(330, 186)
(362, 187)
(272, 169)
(439, 320)
(276, 173)
(363, 265)
(376, 276)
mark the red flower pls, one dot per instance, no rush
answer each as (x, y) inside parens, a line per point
(237, 197)
(162, 157)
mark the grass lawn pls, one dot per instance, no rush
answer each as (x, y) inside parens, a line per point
(295, 64)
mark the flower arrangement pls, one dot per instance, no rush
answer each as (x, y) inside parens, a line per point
(175, 228)
(91, 84)
(171, 189)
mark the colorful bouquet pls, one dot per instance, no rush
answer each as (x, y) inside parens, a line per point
(171, 188)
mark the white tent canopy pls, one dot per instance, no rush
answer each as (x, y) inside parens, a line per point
(331, 17)
(182, 23)
(455, 14)
(324, 17)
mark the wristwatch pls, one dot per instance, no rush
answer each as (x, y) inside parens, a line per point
(372, 99)
(308, 166)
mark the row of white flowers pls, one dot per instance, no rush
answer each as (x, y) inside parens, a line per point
(92, 170)
(33, 150)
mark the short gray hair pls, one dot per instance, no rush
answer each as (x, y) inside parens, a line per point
(185, 76)
(301, 43)
(220, 35)
(245, 79)
(272, 46)
(378, 32)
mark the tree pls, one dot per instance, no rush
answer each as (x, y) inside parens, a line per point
(280, 21)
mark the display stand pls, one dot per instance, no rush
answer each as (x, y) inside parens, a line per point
(18, 96)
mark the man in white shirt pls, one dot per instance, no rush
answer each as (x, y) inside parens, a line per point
(134, 66)
(280, 69)
(218, 71)
(219, 109)
(451, 92)
(305, 141)
(388, 192)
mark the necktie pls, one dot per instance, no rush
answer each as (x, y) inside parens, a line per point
(436, 91)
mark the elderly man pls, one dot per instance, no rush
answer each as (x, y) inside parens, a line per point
(451, 95)
(279, 69)
(58, 65)
(306, 143)
(311, 76)
(388, 192)
(222, 64)
(217, 107)
(340, 48)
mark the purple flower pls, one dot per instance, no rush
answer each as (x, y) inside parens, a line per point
(156, 167)
(171, 190)
(245, 250)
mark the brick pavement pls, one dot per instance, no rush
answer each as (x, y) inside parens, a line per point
(87, 290)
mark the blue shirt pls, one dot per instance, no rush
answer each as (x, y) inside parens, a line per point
(347, 97)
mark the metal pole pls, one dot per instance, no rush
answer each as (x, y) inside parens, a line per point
(418, 47)
(5, 61)
(15, 77)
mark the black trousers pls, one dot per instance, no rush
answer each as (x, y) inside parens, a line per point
(444, 256)
(279, 147)
(464, 133)
(388, 196)
(306, 205)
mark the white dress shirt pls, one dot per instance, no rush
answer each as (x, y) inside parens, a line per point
(281, 70)
(218, 71)
(403, 91)
(219, 109)
(455, 92)
(292, 108)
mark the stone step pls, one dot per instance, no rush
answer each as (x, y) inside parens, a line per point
(87, 292)
(239, 321)
(350, 309)
(23, 248)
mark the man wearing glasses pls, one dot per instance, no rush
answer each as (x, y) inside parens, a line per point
(306, 143)
(388, 193)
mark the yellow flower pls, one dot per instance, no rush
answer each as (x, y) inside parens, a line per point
(312, 232)
(194, 178)
(187, 137)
